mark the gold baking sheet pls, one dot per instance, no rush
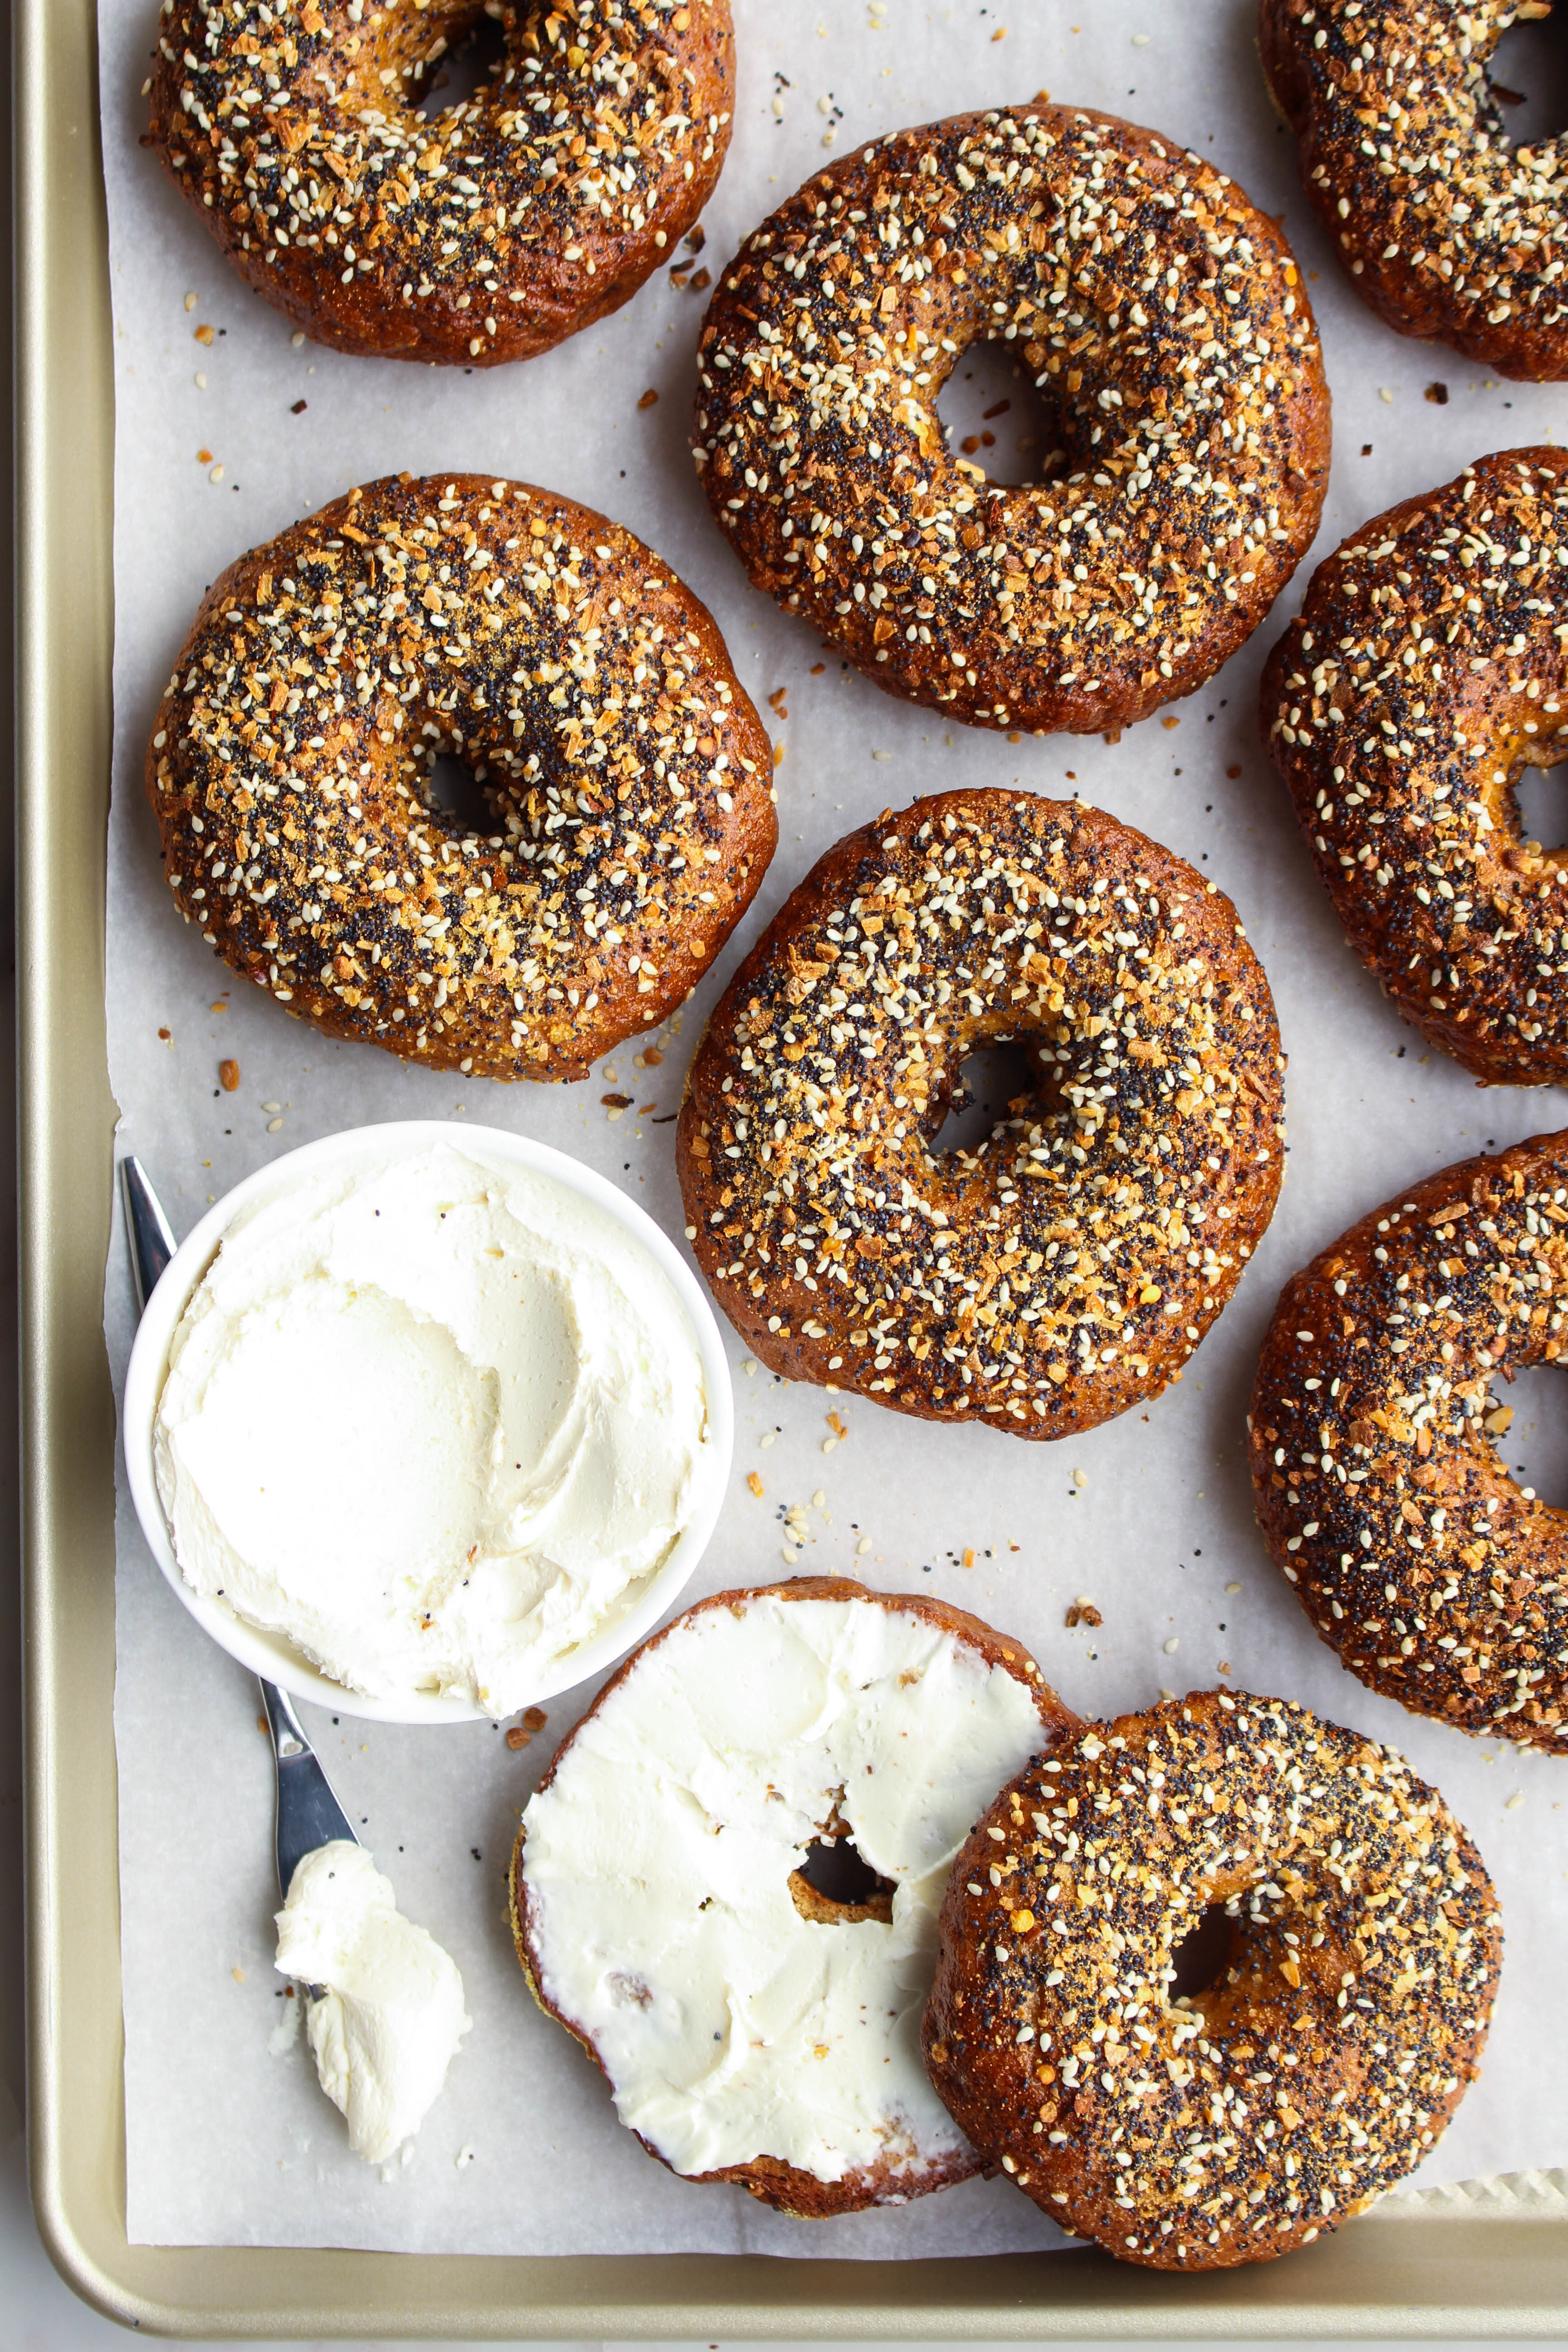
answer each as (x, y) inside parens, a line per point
(1490, 2260)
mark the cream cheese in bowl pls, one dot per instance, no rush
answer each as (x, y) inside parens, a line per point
(438, 1418)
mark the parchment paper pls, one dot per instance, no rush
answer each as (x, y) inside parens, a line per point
(229, 2140)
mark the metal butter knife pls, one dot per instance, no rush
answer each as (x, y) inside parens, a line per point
(308, 1814)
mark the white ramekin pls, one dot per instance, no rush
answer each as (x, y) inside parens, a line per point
(270, 1654)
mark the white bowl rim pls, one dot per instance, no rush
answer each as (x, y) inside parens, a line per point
(272, 1656)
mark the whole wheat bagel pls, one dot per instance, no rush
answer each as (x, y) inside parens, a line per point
(753, 2029)
(1065, 1268)
(484, 233)
(1167, 327)
(1230, 2125)
(628, 811)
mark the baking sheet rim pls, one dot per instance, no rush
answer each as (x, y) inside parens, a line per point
(1488, 2257)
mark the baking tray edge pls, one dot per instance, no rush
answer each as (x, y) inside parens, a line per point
(1489, 2260)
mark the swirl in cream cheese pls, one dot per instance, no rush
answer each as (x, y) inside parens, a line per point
(436, 1420)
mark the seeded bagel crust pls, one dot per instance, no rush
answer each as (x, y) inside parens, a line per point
(487, 232)
(1424, 672)
(1167, 326)
(1231, 2124)
(786, 2186)
(625, 775)
(1450, 231)
(1066, 1269)
(1379, 1493)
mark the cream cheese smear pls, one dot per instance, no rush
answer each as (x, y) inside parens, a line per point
(385, 2013)
(658, 1861)
(436, 1420)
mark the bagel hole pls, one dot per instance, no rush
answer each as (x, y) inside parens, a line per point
(996, 418)
(1526, 1422)
(1199, 1961)
(1002, 1080)
(1528, 74)
(472, 60)
(1536, 790)
(836, 1886)
(454, 791)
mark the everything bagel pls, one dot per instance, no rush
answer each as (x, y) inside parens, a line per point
(1166, 325)
(1424, 672)
(1067, 1268)
(1379, 1494)
(485, 233)
(1234, 2124)
(628, 814)
(1450, 231)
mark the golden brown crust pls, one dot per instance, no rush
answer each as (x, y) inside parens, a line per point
(1440, 1581)
(1240, 2122)
(486, 233)
(1067, 1268)
(625, 776)
(1424, 672)
(784, 2185)
(1447, 229)
(1167, 326)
